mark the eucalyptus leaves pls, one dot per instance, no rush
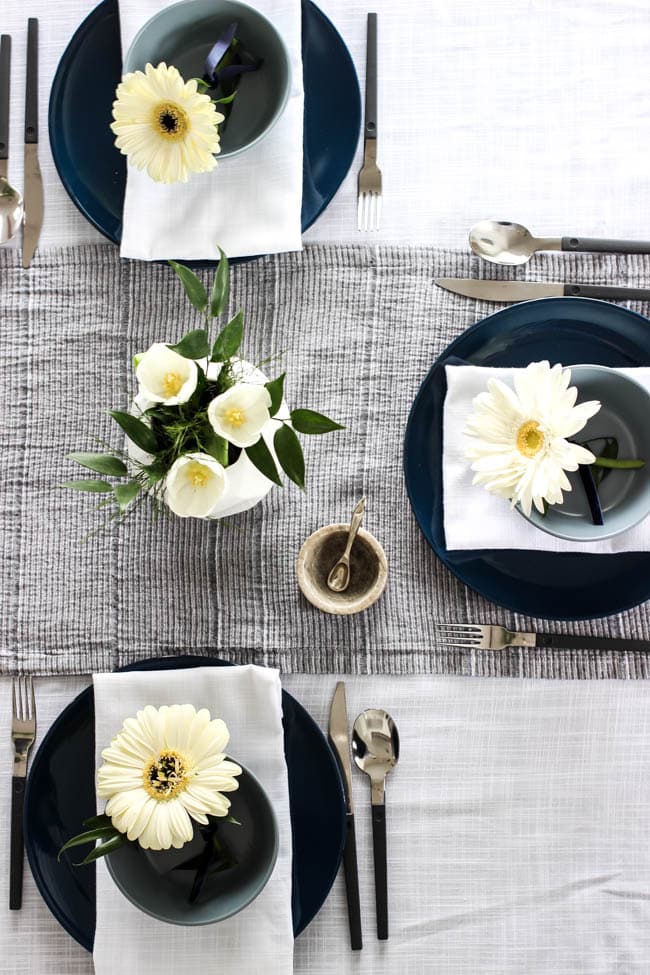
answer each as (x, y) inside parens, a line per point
(207, 433)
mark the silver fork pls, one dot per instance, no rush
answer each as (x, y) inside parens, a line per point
(369, 185)
(23, 733)
(475, 636)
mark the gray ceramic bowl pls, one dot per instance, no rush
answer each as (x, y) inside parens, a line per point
(624, 495)
(159, 883)
(368, 570)
(183, 34)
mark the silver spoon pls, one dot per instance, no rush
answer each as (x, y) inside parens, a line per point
(339, 578)
(11, 202)
(502, 242)
(375, 746)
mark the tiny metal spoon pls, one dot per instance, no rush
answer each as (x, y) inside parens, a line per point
(11, 202)
(503, 242)
(339, 578)
(375, 746)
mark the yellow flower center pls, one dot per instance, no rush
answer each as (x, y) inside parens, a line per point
(170, 121)
(166, 775)
(530, 439)
(198, 474)
(172, 383)
(235, 417)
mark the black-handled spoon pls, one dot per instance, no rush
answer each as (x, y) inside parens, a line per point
(503, 242)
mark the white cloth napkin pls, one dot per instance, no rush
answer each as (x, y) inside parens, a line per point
(473, 518)
(259, 938)
(250, 204)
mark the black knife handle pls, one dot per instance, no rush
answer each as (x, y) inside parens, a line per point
(381, 873)
(352, 883)
(606, 291)
(600, 245)
(370, 128)
(31, 91)
(16, 862)
(5, 72)
(573, 642)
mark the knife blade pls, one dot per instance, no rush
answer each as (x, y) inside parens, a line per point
(507, 291)
(340, 740)
(33, 195)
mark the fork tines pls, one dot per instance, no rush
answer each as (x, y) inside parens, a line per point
(23, 703)
(464, 635)
(369, 207)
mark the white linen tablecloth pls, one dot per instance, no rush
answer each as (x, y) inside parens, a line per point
(534, 111)
(261, 937)
(517, 833)
(475, 519)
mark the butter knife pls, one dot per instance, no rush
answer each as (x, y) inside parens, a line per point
(340, 741)
(33, 194)
(526, 290)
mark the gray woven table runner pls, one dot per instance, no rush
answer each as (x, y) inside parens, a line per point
(361, 327)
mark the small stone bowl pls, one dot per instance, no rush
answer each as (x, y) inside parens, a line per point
(368, 570)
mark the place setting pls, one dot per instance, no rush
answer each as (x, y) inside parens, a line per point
(326, 509)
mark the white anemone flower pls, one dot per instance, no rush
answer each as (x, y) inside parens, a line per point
(165, 376)
(165, 125)
(240, 413)
(165, 768)
(194, 484)
(520, 439)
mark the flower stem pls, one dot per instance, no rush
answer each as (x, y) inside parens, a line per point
(618, 463)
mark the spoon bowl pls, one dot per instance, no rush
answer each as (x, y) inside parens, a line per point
(503, 242)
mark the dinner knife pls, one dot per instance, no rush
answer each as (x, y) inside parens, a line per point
(526, 290)
(33, 194)
(340, 741)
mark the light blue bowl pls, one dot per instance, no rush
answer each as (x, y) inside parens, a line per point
(159, 882)
(183, 35)
(624, 494)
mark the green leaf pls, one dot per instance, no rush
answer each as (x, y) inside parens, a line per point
(193, 287)
(260, 455)
(137, 431)
(228, 341)
(93, 822)
(125, 493)
(220, 287)
(287, 447)
(100, 463)
(216, 446)
(99, 833)
(226, 100)
(109, 846)
(276, 389)
(308, 421)
(194, 345)
(137, 359)
(92, 487)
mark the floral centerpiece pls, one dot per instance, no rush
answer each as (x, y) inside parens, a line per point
(208, 432)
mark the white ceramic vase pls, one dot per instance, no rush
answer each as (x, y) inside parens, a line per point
(246, 486)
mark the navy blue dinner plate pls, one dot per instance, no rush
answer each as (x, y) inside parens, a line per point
(564, 586)
(60, 794)
(93, 171)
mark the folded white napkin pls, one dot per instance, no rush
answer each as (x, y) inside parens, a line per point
(473, 518)
(259, 938)
(250, 204)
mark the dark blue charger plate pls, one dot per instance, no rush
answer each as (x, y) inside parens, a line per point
(60, 794)
(93, 171)
(564, 586)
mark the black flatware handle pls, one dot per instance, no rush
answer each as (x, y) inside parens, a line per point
(601, 245)
(611, 292)
(31, 91)
(352, 883)
(370, 128)
(5, 71)
(16, 861)
(573, 642)
(381, 873)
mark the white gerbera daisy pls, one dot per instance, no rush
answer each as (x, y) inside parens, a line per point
(164, 768)
(241, 413)
(519, 439)
(164, 125)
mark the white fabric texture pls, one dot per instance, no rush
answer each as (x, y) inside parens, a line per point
(260, 937)
(250, 204)
(533, 112)
(517, 834)
(475, 519)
